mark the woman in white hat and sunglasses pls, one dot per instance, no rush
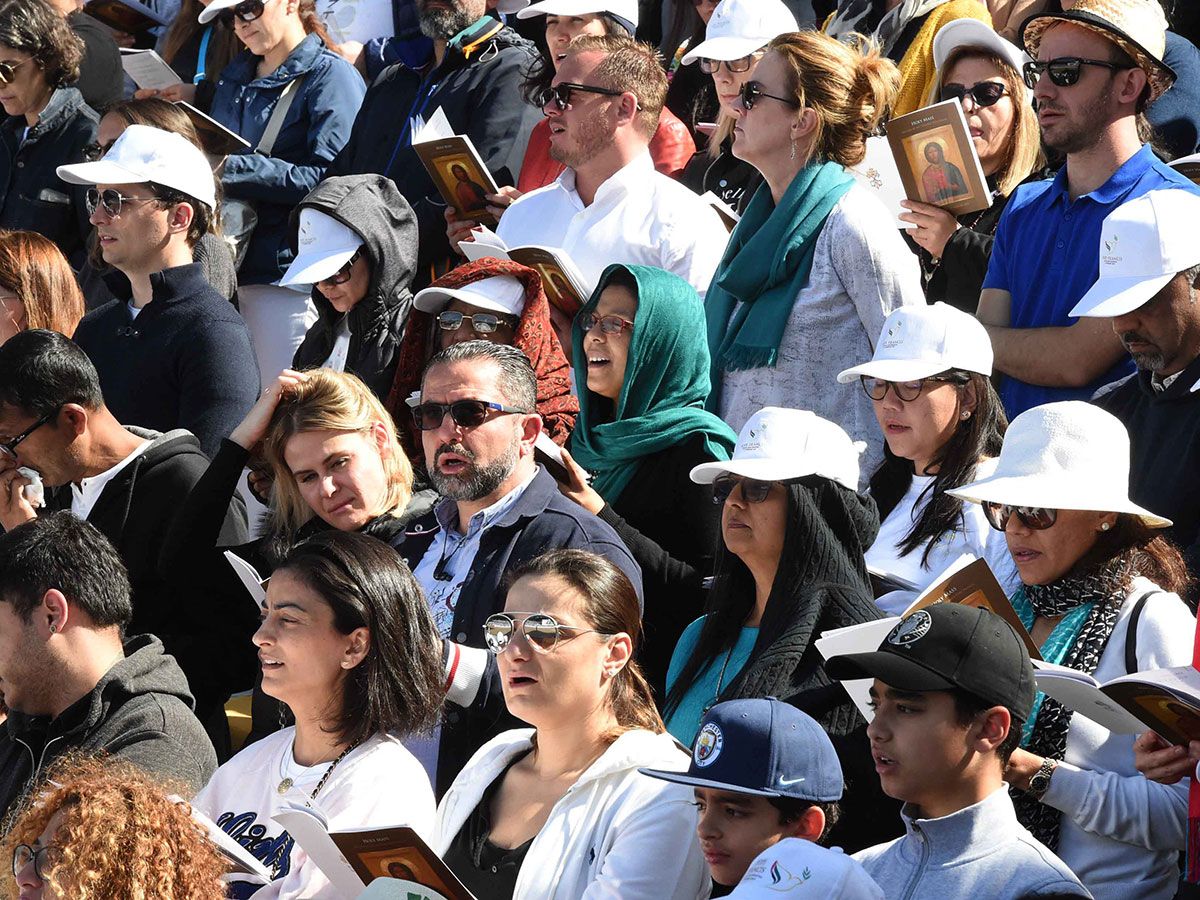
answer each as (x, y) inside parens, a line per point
(1101, 595)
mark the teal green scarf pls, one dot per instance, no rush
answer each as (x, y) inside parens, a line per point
(662, 396)
(765, 266)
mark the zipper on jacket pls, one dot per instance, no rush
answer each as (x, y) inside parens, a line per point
(911, 890)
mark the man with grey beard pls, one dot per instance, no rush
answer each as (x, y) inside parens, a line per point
(478, 424)
(475, 78)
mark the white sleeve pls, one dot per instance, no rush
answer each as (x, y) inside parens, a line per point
(693, 247)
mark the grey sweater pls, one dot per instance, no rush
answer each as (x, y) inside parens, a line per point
(980, 851)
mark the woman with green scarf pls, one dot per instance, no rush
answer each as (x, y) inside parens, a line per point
(641, 371)
(817, 262)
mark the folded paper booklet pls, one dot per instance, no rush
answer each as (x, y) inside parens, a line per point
(729, 216)
(125, 15)
(862, 638)
(936, 158)
(353, 859)
(564, 284)
(255, 584)
(883, 582)
(215, 138)
(242, 867)
(147, 69)
(455, 167)
(1166, 701)
(879, 175)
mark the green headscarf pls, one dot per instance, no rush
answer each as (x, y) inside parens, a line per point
(666, 384)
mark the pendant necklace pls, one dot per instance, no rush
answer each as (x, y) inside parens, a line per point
(286, 784)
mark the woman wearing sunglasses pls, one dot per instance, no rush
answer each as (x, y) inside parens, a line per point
(346, 641)
(814, 263)
(559, 811)
(642, 427)
(198, 54)
(1101, 595)
(929, 384)
(983, 72)
(47, 125)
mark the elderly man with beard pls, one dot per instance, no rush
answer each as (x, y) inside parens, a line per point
(479, 423)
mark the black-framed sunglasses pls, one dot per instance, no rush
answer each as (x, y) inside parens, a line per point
(752, 90)
(42, 857)
(465, 413)
(560, 94)
(247, 11)
(9, 449)
(906, 391)
(1038, 518)
(736, 66)
(608, 324)
(9, 69)
(753, 490)
(481, 323)
(986, 93)
(1064, 71)
(95, 151)
(112, 200)
(342, 275)
(541, 630)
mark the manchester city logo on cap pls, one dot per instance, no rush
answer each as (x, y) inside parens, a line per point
(708, 745)
(911, 629)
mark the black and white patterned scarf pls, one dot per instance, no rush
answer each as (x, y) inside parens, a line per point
(866, 17)
(1106, 586)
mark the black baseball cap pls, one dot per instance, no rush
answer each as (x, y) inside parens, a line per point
(946, 647)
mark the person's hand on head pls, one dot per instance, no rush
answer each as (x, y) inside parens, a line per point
(934, 226)
(15, 510)
(1162, 761)
(502, 200)
(578, 488)
(254, 427)
(458, 230)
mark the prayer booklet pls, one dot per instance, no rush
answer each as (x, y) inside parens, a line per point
(564, 284)
(879, 175)
(351, 860)
(883, 582)
(148, 70)
(243, 867)
(455, 167)
(255, 584)
(215, 138)
(729, 216)
(1188, 167)
(936, 158)
(125, 15)
(1166, 701)
(862, 638)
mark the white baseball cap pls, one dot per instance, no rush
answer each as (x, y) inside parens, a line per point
(739, 27)
(625, 9)
(324, 245)
(974, 33)
(795, 867)
(919, 341)
(143, 154)
(1144, 243)
(777, 444)
(500, 293)
(210, 12)
(1068, 455)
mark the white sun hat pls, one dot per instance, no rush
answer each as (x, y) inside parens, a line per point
(143, 154)
(974, 33)
(798, 868)
(739, 27)
(1068, 455)
(919, 341)
(778, 444)
(1144, 243)
(624, 9)
(500, 293)
(324, 246)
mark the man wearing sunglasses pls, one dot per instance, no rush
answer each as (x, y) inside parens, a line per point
(170, 350)
(498, 509)
(1096, 67)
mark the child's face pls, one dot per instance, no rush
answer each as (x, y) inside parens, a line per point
(734, 829)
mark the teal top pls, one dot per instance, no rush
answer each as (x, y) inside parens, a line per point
(684, 722)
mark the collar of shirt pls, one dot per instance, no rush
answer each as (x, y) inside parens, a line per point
(446, 512)
(1161, 384)
(85, 494)
(629, 178)
(988, 824)
(1118, 184)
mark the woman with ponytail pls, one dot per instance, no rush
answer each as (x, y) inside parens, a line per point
(816, 261)
(560, 811)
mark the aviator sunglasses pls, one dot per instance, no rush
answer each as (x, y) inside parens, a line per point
(9, 69)
(541, 630)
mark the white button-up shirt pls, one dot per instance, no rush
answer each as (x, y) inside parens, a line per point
(638, 216)
(85, 494)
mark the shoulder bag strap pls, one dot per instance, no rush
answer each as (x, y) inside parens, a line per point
(1131, 660)
(275, 123)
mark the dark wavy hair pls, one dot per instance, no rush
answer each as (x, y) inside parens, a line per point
(976, 438)
(1146, 552)
(35, 27)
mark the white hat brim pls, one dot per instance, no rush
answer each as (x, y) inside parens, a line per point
(563, 8)
(434, 299)
(758, 469)
(309, 268)
(1116, 296)
(727, 48)
(100, 172)
(210, 12)
(1051, 492)
(894, 370)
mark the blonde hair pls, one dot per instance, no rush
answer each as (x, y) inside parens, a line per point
(850, 87)
(629, 65)
(1023, 152)
(330, 401)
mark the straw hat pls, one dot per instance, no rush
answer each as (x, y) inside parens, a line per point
(1136, 26)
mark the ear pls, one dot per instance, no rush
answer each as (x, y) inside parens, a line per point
(379, 432)
(1106, 521)
(1133, 85)
(74, 418)
(627, 109)
(358, 642)
(620, 652)
(809, 826)
(991, 728)
(52, 616)
(531, 427)
(969, 398)
(805, 124)
(181, 217)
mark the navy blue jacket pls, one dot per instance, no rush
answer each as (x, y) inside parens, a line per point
(1176, 114)
(185, 362)
(314, 130)
(543, 519)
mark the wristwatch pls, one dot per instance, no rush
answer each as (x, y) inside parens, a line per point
(1040, 781)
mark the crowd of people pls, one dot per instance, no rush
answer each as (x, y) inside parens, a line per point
(309, 506)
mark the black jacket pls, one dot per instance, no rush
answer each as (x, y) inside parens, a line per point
(542, 519)
(185, 362)
(371, 206)
(733, 180)
(140, 711)
(32, 196)
(134, 511)
(101, 77)
(481, 97)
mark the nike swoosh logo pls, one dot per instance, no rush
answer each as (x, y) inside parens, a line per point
(787, 782)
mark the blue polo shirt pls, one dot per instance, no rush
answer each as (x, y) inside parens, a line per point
(1046, 255)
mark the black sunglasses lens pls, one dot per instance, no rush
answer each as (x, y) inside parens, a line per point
(997, 515)
(7, 71)
(722, 488)
(749, 92)
(988, 93)
(1064, 73)
(468, 413)
(542, 631)
(755, 491)
(1037, 517)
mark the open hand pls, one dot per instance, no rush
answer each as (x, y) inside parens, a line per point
(253, 428)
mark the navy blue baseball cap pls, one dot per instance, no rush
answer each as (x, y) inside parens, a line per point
(763, 747)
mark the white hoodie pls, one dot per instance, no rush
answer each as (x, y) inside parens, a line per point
(615, 834)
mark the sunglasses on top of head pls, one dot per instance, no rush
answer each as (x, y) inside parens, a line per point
(1065, 71)
(1037, 518)
(247, 11)
(986, 93)
(9, 69)
(465, 413)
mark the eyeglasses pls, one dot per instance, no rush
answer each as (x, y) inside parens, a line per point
(112, 200)
(481, 323)
(541, 630)
(906, 391)
(1064, 71)
(560, 94)
(986, 93)
(23, 853)
(342, 275)
(465, 413)
(247, 11)
(10, 449)
(1039, 518)
(737, 66)
(95, 151)
(608, 324)
(751, 91)
(8, 69)
(753, 491)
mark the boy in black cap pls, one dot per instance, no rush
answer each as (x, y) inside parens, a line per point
(953, 687)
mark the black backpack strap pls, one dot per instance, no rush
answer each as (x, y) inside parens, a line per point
(1131, 660)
